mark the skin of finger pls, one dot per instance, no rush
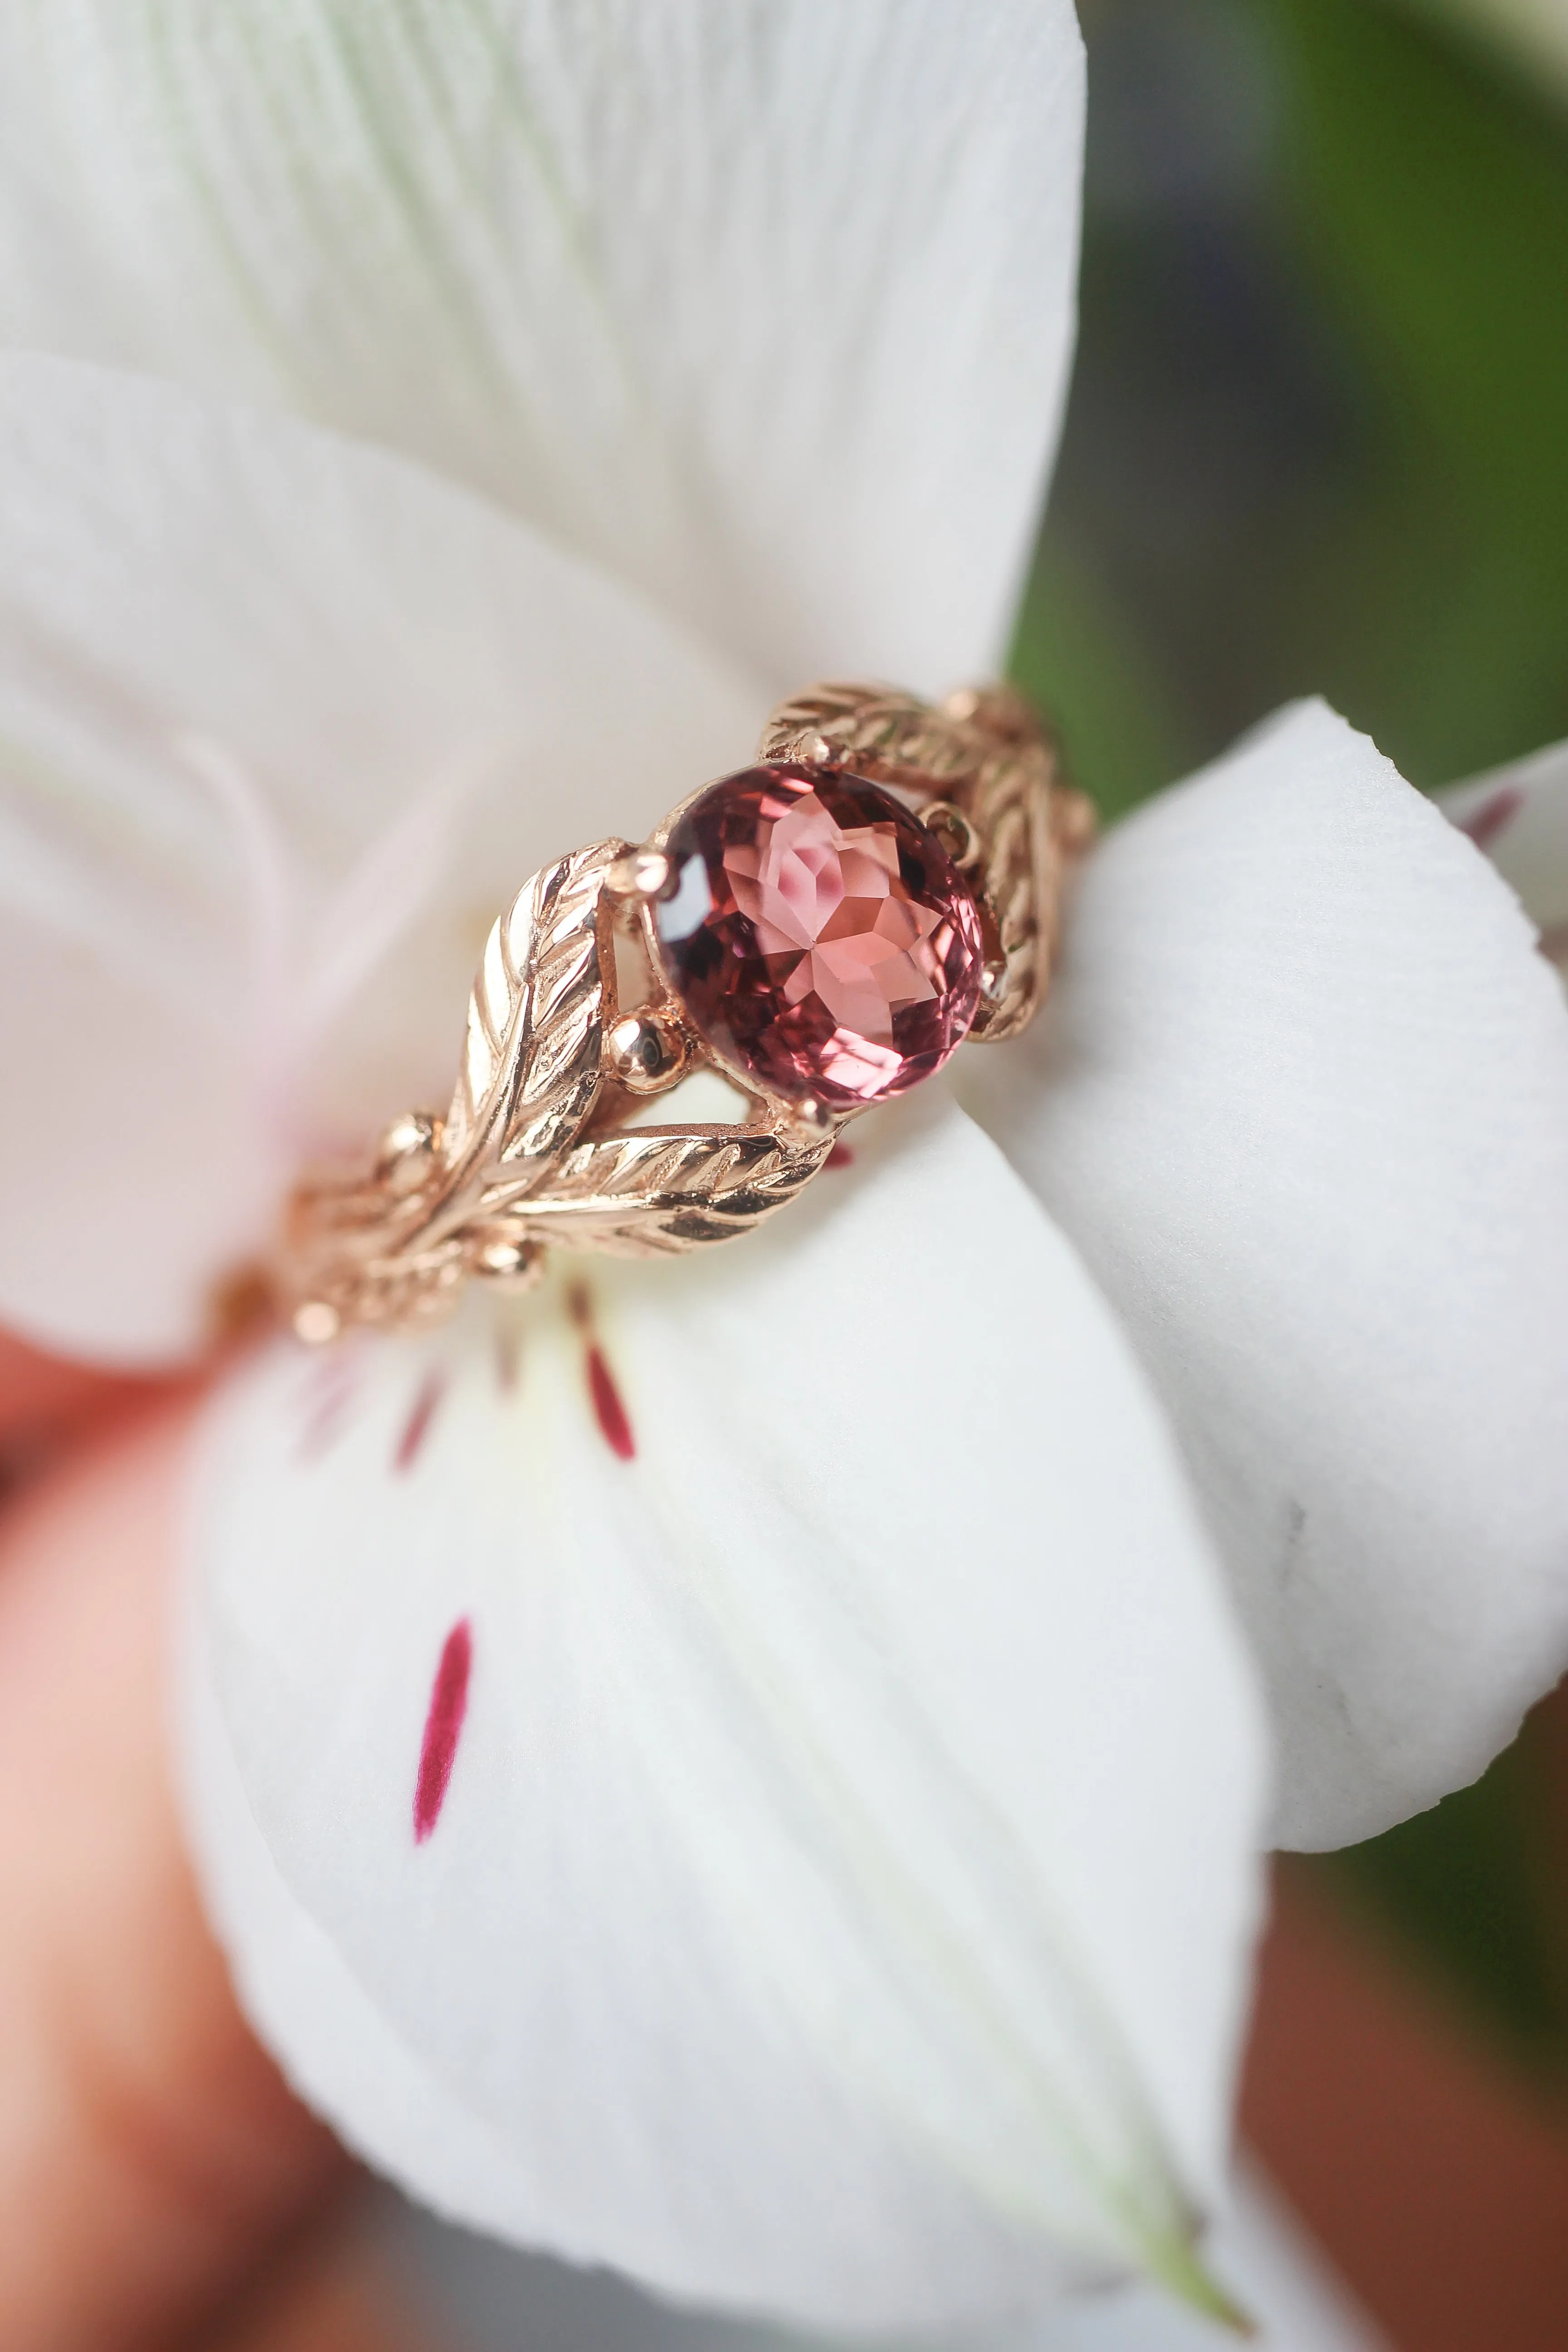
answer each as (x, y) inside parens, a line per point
(1433, 2173)
(332, 2292)
(41, 1395)
(149, 2152)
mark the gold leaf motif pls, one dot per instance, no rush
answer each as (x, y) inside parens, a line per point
(514, 1167)
(529, 1155)
(530, 1064)
(880, 732)
(657, 1191)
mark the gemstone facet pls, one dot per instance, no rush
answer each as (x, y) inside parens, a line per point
(820, 940)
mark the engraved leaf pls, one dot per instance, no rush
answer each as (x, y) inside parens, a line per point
(887, 735)
(530, 1064)
(652, 1191)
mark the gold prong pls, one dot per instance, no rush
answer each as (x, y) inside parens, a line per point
(316, 1322)
(956, 832)
(509, 1264)
(642, 873)
(647, 1052)
(407, 1151)
(812, 749)
(809, 1121)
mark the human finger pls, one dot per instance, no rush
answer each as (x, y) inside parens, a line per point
(149, 2151)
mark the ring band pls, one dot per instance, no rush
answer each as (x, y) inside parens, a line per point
(824, 930)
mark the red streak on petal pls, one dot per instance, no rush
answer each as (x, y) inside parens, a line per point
(608, 1406)
(443, 1727)
(839, 1157)
(509, 1356)
(614, 1424)
(1494, 815)
(417, 1428)
(335, 1386)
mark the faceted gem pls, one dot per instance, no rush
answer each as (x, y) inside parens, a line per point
(819, 938)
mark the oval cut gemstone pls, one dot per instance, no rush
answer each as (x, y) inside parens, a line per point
(819, 938)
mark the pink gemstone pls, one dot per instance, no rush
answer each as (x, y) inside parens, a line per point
(819, 938)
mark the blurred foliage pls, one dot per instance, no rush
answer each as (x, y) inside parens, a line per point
(1533, 32)
(1474, 1887)
(1316, 440)
(1317, 443)
(1452, 246)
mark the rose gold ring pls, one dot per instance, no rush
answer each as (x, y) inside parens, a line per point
(823, 929)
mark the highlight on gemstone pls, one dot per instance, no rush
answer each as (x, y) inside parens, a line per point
(819, 938)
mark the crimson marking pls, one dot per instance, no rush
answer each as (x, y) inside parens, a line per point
(839, 1157)
(615, 1423)
(1493, 817)
(443, 1727)
(335, 1385)
(509, 1356)
(611, 1413)
(417, 1428)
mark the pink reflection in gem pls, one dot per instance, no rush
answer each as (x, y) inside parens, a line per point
(818, 936)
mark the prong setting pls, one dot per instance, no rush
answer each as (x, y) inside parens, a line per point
(508, 1265)
(642, 876)
(809, 1121)
(316, 1322)
(645, 1052)
(614, 973)
(408, 1151)
(956, 833)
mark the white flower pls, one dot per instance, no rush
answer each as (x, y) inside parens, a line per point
(778, 1812)
(1518, 815)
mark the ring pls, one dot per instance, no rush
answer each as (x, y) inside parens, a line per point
(823, 929)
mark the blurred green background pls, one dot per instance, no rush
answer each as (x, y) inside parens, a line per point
(1318, 441)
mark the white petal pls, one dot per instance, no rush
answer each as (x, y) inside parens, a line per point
(473, 2296)
(283, 724)
(133, 1175)
(1518, 815)
(1302, 1103)
(338, 2049)
(841, 1898)
(767, 305)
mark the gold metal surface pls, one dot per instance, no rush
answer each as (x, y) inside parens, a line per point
(534, 1151)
